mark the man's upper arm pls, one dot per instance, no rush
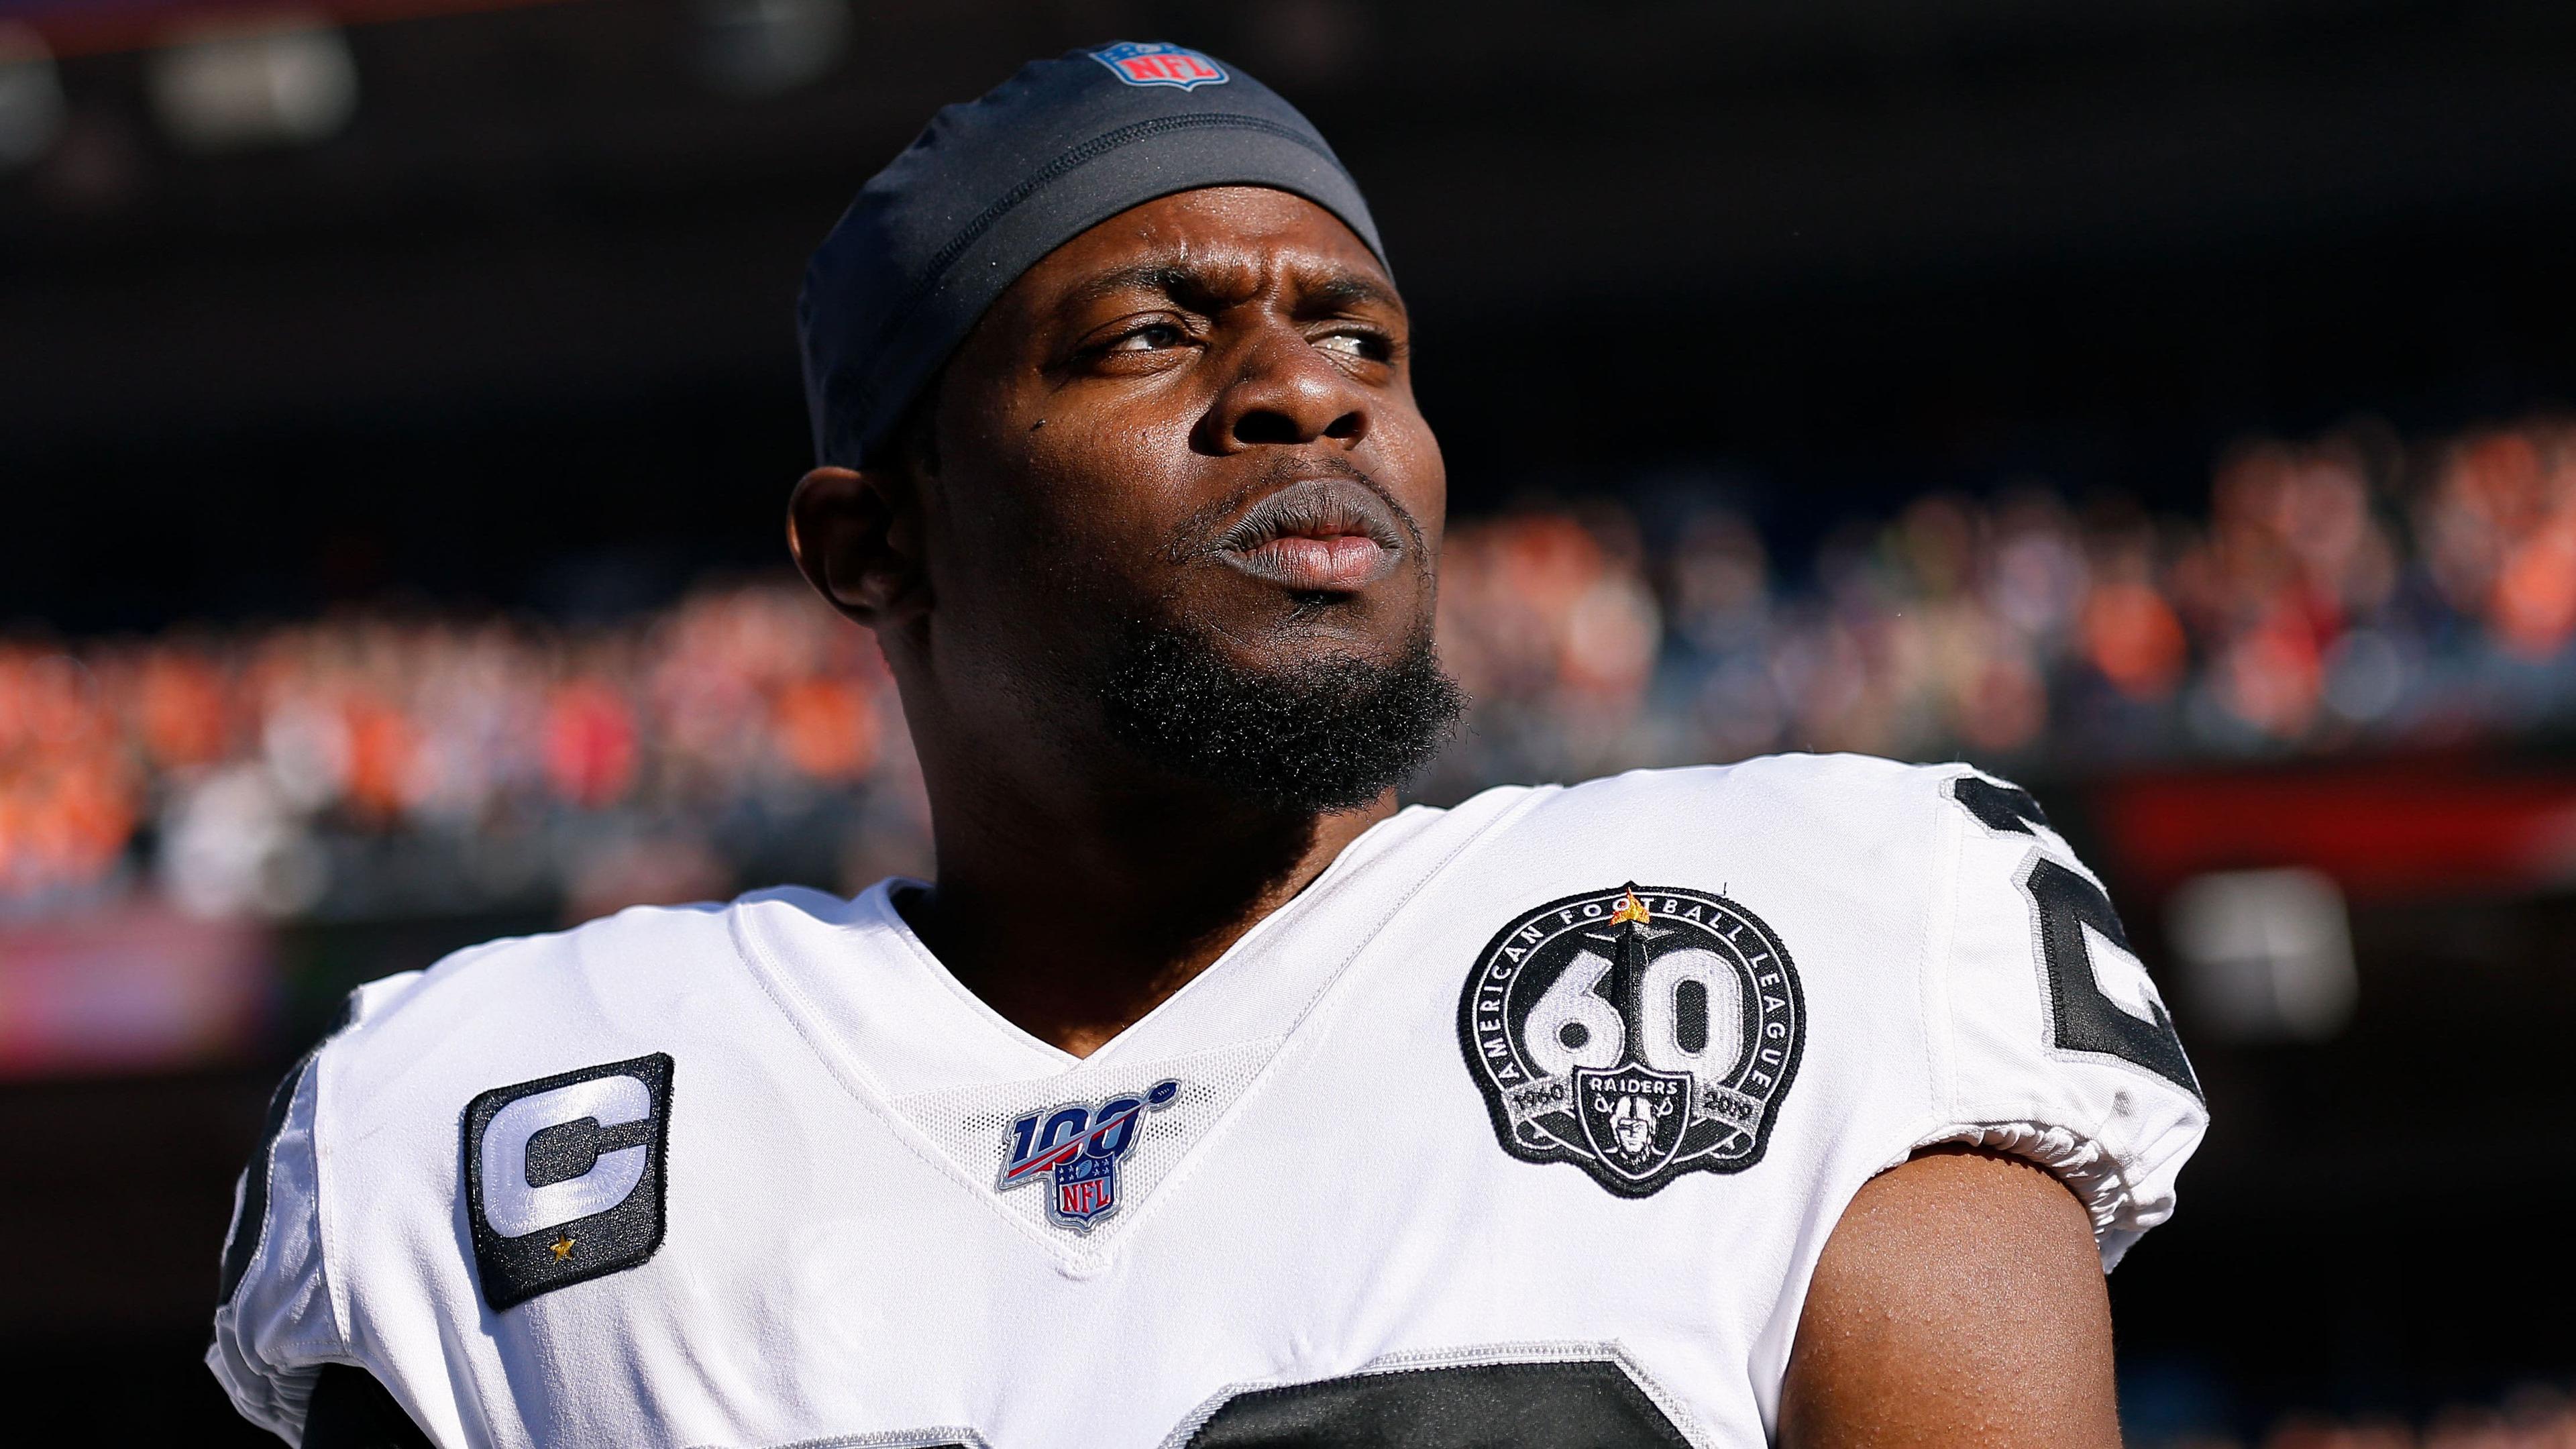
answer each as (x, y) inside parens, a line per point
(1959, 1301)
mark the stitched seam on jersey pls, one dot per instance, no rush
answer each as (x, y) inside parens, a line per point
(1090, 1250)
(888, 1439)
(863, 1085)
(1333, 978)
(1940, 948)
(363, 1016)
(265, 1164)
(290, 1089)
(913, 947)
(1333, 881)
(1298, 1044)
(1963, 1114)
(319, 1145)
(791, 1002)
(1675, 1411)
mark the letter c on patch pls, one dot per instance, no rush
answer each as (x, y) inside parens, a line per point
(565, 1176)
(514, 1207)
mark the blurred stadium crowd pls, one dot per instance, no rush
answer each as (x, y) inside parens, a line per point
(2532, 1418)
(2344, 591)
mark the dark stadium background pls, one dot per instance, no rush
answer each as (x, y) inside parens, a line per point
(461, 322)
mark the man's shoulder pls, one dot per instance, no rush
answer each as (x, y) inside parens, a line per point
(1788, 796)
(530, 1004)
(1823, 847)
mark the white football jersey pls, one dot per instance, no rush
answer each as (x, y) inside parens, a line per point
(1525, 1123)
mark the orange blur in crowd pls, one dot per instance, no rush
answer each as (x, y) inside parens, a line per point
(2298, 615)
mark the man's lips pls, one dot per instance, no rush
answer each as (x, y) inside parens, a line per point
(1324, 535)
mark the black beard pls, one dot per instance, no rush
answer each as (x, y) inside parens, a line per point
(1333, 733)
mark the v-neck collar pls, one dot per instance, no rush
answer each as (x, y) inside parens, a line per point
(972, 1043)
(946, 1074)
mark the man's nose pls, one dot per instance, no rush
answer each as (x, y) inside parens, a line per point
(1285, 391)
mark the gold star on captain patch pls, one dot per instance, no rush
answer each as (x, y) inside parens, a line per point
(562, 1247)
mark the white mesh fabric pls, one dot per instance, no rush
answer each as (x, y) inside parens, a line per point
(972, 1125)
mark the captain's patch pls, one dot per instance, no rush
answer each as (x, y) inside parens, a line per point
(1639, 1032)
(564, 1176)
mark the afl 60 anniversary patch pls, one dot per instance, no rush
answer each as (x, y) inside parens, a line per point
(1640, 1032)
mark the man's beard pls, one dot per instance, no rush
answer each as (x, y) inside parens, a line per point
(1332, 733)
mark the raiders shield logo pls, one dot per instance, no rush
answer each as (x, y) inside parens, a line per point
(1640, 1033)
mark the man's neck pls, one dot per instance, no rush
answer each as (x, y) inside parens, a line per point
(1074, 922)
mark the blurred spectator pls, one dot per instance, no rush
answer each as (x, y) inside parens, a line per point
(2342, 592)
(2533, 1417)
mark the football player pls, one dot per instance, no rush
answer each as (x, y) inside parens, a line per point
(1205, 1097)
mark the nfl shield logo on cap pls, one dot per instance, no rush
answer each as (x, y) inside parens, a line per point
(1153, 63)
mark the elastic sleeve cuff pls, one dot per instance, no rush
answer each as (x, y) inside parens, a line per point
(2121, 1214)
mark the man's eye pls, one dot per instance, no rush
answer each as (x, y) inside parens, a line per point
(1151, 338)
(1365, 345)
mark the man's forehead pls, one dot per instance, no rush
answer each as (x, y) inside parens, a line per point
(1218, 243)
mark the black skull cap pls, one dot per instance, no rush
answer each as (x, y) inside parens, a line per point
(993, 185)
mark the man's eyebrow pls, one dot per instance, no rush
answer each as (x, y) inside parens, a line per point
(1342, 290)
(1337, 290)
(1166, 278)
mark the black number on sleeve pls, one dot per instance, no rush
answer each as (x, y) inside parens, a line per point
(1491, 1406)
(1997, 806)
(2082, 1018)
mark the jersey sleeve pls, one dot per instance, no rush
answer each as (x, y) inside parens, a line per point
(276, 1322)
(2054, 1045)
(275, 1326)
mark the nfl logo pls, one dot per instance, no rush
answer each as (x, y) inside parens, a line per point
(1077, 1154)
(1086, 1188)
(1156, 64)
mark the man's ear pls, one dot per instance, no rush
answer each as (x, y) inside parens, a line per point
(857, 538)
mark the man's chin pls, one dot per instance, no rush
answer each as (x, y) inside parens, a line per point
(1277, 630)
(1316, 723)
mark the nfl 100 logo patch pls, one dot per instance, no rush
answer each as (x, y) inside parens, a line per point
(1076, 1149)
(1153, 63)
(1639, 1032)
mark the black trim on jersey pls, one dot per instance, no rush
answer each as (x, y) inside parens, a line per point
(250, 1220)
(557, 1255)
(1592, 1403)
(2081, 1018)
(1999, 806)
